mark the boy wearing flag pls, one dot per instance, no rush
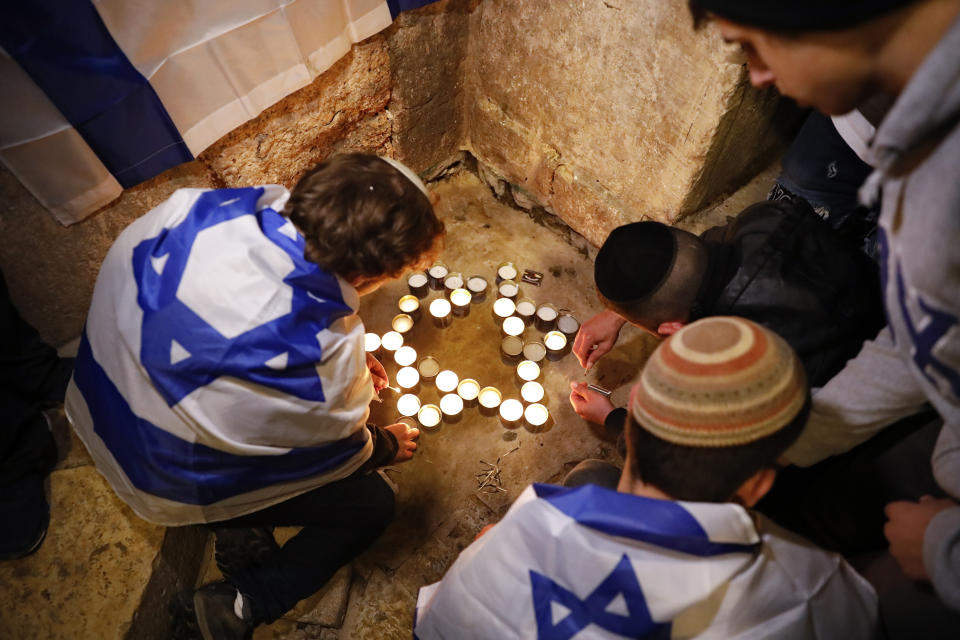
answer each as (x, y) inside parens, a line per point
(222, 377)
(674, 551)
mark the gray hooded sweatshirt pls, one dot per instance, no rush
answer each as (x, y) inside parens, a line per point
(916, 358)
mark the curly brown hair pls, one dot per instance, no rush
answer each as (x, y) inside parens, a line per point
(361, 217)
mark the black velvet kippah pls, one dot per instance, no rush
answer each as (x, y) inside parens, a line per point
(634, 261)
(799, 15)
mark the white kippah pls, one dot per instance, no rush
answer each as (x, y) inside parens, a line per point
(408, 172)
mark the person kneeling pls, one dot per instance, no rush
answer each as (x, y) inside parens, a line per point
(222, 377)
(674, 551)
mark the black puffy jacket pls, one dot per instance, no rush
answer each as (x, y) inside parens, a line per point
(780, 265)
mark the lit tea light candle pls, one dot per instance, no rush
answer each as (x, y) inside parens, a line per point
(391, 341)
(546, 317)
(440, 312)
(568, 324)
(428, 368)
(408, 378)
(371, 343)
(528, 370)
(510, 349)
(402, 323)
(437, 274)
(513, 326)
(469, 391)
(536, 415)
(451, 405)
(509, 289)
(408, 404)
(503, 308)
(409, 304)
(477, 285)
(489, 400)
(530, 391)
(534, 351)
(511, 410)
(429, 416)
(447, 381)
(460, 299)
(405, 356)
(507, 271)
(526, 308)
(418, 283)
(556, 344)
(453, 281)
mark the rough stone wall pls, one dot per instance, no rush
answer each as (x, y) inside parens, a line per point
(609, 111)
(602, 111)
(427, 55)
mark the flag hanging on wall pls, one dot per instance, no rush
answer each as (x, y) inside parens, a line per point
(103, 94)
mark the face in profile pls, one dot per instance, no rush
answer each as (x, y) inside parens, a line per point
(830, 71)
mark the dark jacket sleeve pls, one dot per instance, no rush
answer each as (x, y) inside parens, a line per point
(385, 447)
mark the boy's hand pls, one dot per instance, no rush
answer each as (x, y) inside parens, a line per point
(379, 374)
(906, 525)
(589, 405)
(596, 337)
(406, 438)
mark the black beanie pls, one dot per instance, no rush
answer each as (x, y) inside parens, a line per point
(799, 15)
(634, 261)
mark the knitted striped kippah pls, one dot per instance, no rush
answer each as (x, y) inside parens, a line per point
(719, 382)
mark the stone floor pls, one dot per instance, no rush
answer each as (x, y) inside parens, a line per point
(93, 569)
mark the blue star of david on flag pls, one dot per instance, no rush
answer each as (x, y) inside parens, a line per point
(187, 340)
(616, 605)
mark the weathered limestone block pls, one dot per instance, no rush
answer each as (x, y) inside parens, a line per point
(51, 269)
(88, 578)
(342, 110)
(608, 112)
(427, 52)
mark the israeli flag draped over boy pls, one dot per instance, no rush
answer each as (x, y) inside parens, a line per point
(589, 562)
(716, 403)
(219, 371)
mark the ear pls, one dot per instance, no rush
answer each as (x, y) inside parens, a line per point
(756, 486)
(670, 328)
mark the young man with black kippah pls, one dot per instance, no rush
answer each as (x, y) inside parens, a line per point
(777, 264)
(835, 57)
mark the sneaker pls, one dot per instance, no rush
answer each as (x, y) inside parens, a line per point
(238, 547)
(215, 615)
(24, 506)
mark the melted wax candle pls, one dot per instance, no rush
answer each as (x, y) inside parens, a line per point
(531, 391)
(490, 397)
(407, 378)
(391, 341)
(408, 404)
(528, 370)
(504, 307)
(405, 356)
(429, 415)
(447, 381)
(536, 415)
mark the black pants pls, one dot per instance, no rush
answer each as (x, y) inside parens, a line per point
(838, 503)
(339, 520)
(31, 378)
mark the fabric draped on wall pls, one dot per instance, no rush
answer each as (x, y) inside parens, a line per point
(104, 94)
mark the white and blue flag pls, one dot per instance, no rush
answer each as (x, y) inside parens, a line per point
(220, 371)
(589, 562)
(100, 95)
